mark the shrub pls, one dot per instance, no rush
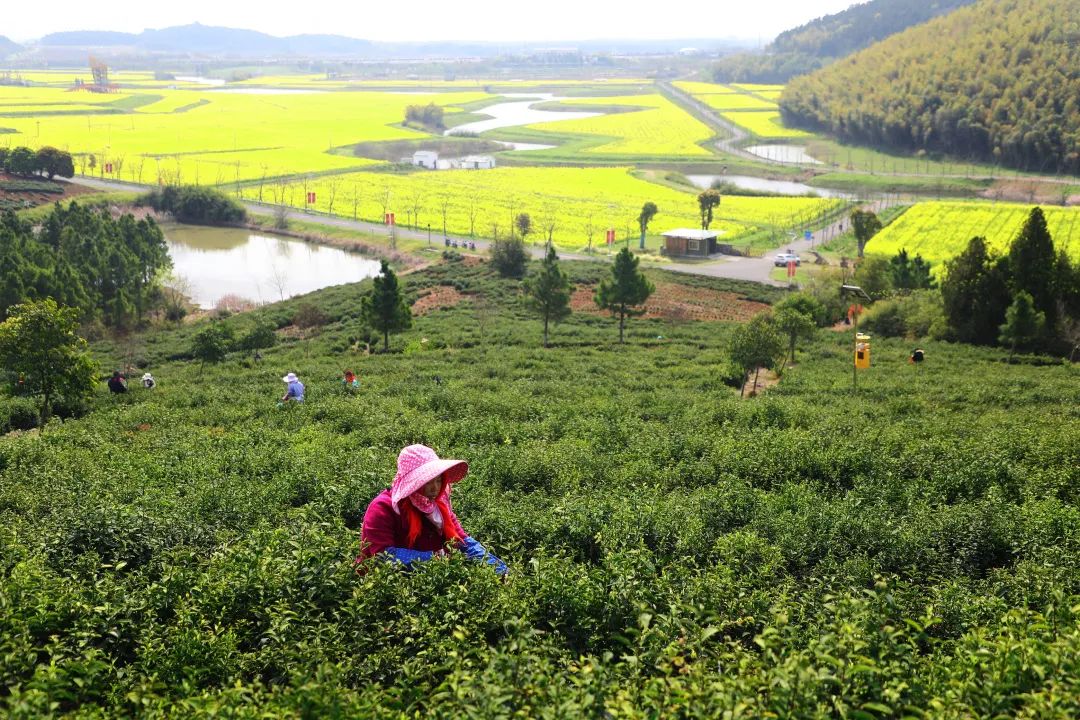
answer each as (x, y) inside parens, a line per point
(917, 315)
(211, 344)
(509, 258)
(196, 204)
(309, 316)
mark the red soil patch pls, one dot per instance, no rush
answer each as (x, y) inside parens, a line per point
(672, 301)
(437, 298)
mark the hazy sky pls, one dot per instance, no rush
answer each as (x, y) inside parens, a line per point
(433, 19)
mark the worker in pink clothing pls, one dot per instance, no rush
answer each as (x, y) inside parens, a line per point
(413, 521)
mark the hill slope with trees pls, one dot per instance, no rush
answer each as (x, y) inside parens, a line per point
(822, 41)
(997, 81)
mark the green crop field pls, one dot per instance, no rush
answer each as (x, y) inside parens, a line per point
(572, 198)
(941, 230)
(661, 129)
(910, 551)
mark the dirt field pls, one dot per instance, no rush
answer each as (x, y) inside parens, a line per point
(680, 302)
(435, 299)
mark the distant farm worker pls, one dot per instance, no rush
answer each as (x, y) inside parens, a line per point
(350, 381)
(117, 383)
(295, 391)
(413, 521)
(148, 381)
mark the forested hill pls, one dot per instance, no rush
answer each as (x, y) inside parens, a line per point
(862, 25)
(822, 41)
(996, 81)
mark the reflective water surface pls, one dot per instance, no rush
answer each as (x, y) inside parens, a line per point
(258, 266)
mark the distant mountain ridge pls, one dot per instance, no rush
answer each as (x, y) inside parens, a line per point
(997, 81)
(822, 41)
(233, 42)
(7, 47)
(199, 38)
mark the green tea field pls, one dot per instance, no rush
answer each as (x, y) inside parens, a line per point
(912, 550)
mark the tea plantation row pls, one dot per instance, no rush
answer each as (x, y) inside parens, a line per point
(910, 551)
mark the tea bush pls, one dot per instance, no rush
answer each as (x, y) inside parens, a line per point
(909, 551)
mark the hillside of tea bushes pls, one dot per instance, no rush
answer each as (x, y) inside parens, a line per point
(910, 551)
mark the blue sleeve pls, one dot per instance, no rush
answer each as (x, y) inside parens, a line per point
(475, 551)
(406, 556)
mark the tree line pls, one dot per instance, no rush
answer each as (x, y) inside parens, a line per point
(1003, 89)
(1026, 298)
(47, 161)
(108, 268)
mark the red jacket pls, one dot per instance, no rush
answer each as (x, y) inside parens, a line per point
(385, 528)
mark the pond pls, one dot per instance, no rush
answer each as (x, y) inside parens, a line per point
(258, 266)
(783, 187)
(519, 112)
(790, 154)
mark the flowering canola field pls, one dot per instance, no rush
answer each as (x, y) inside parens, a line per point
(572, 198)
(941, 230)
(223, 137)
(660, 128)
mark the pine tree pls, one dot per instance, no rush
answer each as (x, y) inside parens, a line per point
(385, 309)
(549, 292)
(1033, 265)
(975, 294)
(1023, 323)
(625, 290)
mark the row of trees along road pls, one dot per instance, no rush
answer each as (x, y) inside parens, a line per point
(46, 161)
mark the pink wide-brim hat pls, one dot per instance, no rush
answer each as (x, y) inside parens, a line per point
(417, 465)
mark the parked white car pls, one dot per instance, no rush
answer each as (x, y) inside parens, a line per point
(783, 259)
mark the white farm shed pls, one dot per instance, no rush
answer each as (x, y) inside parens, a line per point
(478, 162)
(426, 159)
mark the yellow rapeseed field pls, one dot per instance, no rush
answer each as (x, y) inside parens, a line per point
(764, 125)
(483, 202)
(660, 128)
(252, 135)
(941, 230)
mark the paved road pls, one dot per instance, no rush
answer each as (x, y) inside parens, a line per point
(733, 134)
